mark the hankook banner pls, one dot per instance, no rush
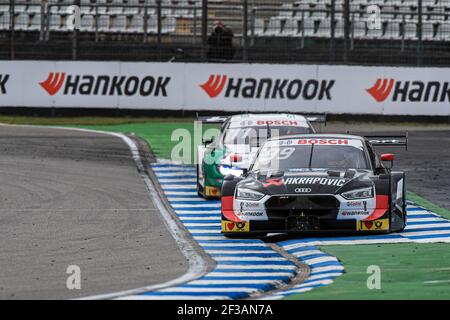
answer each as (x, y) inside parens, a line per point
(226, 87)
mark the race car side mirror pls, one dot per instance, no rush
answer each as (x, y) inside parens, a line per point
(388, 157)
(235, 158)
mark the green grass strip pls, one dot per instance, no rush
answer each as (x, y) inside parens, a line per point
(428, 205)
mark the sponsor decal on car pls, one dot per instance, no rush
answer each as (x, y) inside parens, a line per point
(319, 142)
(212, 191)
(247, 214)
(375, 225)
(250, 205)
(357, 204)
(323, 141)
(353, 213)
(339, 182)
(250, 210)
(274, 182)
(277, 122)
(228, 226)
(302, 190)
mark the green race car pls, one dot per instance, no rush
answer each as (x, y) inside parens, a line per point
(240, 136)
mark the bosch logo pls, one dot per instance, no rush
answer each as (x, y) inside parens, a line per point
(303, 190)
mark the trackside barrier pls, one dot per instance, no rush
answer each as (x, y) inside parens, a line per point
(226, 87)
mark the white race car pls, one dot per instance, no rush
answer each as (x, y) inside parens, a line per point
(240, 136)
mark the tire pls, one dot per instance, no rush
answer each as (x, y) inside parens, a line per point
(404, 223)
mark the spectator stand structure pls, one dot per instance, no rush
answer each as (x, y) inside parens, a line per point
(412, 31)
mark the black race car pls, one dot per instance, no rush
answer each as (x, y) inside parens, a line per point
(312, 183)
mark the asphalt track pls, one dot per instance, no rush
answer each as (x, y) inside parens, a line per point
(76, 198)
(426, 164)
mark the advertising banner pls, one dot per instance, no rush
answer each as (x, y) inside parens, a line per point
(226, 87)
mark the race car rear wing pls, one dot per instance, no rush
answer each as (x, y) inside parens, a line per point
(316, 118)
(389, 140)
(214, 119)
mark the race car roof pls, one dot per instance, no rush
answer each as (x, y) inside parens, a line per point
(283, 119)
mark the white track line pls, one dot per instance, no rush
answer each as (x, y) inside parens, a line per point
(257, 266)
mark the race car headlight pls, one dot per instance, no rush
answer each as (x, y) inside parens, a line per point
(226, 170)
(358, 194)
(247, 194)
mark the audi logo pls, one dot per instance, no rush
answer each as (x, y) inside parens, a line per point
(302, 190)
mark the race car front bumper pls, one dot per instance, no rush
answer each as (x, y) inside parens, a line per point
(305, 224)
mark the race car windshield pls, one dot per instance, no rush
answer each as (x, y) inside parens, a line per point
(308, 157)
(258, 134)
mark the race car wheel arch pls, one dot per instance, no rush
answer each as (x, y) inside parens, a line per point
(229, 185)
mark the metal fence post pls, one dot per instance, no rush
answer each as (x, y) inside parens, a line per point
(96, 22)
(159, 28)
(346, 29)
(159, 23)
(333, 31)
(403, 32)
(43, 17)
(145, 23)
(204, 29)
(302, 42)
(419, 34)
(253, 26)
(75, 40)
(194, 26)
(12, 51)
(245, 30)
